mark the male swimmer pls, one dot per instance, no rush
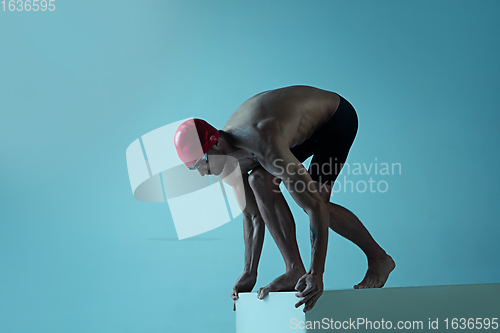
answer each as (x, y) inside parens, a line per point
(269, 136)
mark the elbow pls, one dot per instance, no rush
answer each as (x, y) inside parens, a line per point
(255, 217)
(255, 227)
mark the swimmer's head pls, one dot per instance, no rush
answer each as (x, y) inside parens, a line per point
(193, 139)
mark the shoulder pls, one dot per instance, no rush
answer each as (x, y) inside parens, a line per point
(260, 138)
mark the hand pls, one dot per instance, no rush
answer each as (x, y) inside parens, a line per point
(310, 287)
(245, 283)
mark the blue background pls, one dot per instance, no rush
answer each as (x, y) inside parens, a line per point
(78, 85)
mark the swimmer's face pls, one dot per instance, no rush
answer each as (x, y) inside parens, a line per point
(199, 163)
(211, 163)
(216, 163)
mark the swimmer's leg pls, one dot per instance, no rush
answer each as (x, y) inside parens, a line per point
(279, 220)
(346, 224)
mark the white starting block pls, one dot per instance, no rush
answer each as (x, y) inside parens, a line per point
(470, 307)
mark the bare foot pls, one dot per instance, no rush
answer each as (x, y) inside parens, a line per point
(377, 274)
(285, 282)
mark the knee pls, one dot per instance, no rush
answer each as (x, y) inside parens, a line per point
(317, 209)
(257, 179)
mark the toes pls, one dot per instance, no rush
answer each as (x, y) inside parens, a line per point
(382, 282)
(361, 284)
(370, 281)
(262, 293)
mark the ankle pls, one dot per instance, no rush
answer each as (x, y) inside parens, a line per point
(294, 269)
(380, 256)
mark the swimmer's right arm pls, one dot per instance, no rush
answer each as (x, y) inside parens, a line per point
(253, 233)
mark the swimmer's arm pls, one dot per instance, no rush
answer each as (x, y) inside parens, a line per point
(253, 224)
(253, 231)
(283, 164)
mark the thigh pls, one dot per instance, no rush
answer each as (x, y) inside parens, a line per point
(306, 149)
(328, 161)
(335, 141)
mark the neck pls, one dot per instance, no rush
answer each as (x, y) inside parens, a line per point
(232, 150)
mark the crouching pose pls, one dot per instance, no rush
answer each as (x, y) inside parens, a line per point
(268, 137)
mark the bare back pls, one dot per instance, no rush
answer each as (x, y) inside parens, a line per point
(288, 115)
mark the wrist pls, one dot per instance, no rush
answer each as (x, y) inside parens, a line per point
(317, 272)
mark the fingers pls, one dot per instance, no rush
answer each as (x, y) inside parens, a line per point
(304, 300)
(310, 304)
(234, 295)
(299, 303)
(305, 292)
(301, 284)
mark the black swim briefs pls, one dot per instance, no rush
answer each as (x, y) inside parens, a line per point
(330, 144)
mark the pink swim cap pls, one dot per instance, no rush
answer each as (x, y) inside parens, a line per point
(193, 138)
